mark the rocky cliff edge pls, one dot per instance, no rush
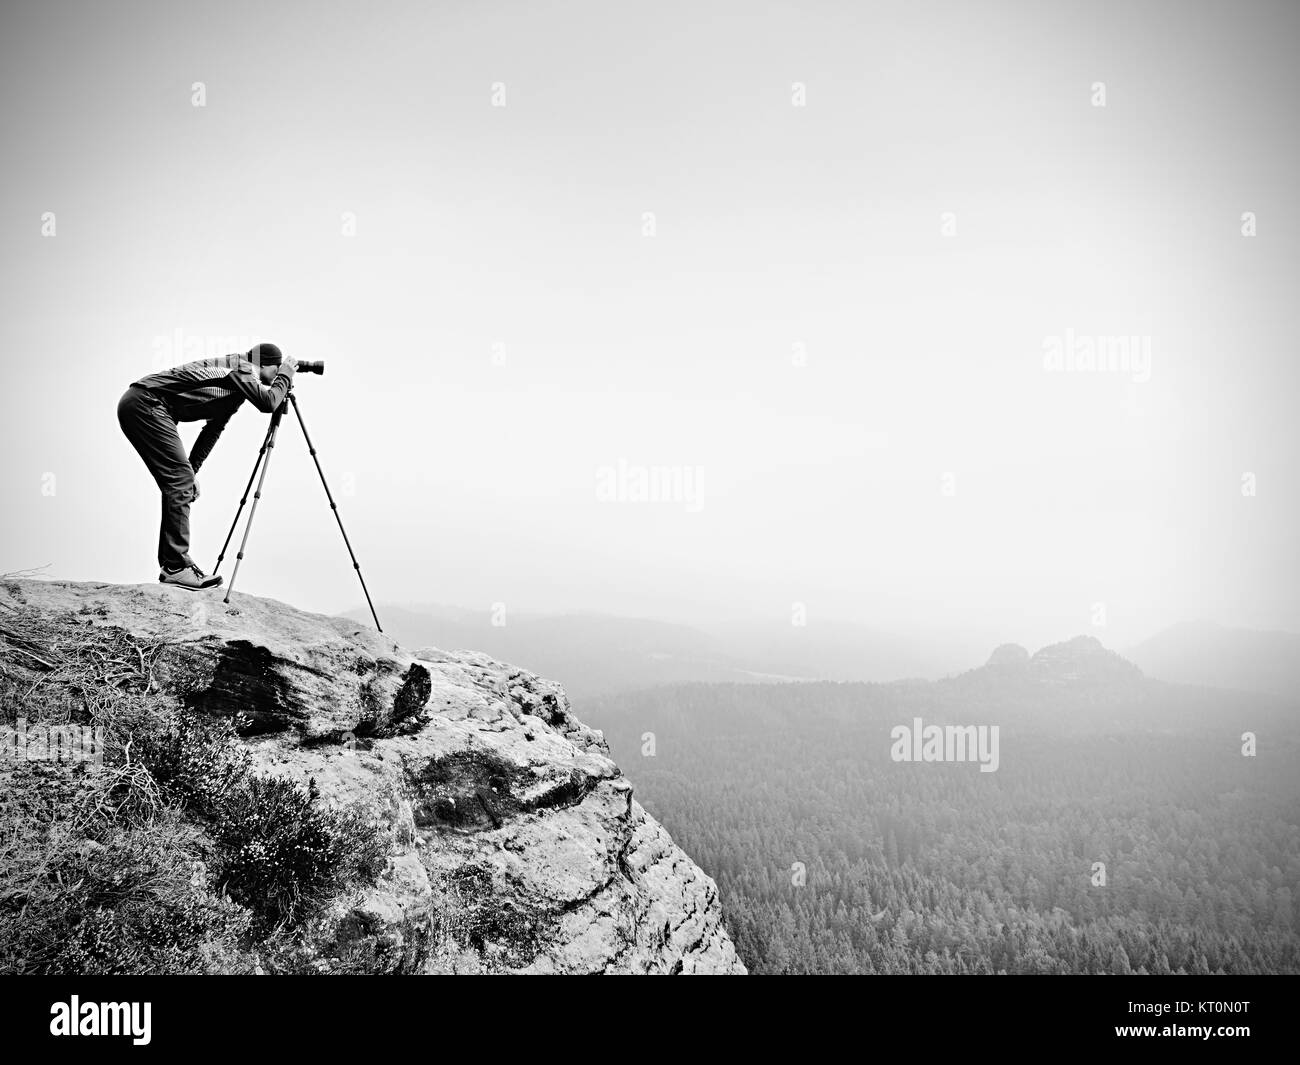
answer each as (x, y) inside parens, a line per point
(514, 843)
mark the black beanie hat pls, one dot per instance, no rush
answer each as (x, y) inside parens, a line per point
(265, 355)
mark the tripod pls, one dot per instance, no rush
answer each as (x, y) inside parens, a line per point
(264, 461)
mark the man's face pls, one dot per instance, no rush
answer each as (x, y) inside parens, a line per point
(267, 372)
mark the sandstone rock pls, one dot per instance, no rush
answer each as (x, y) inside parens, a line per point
(515, 842)
(1083, 660)
(1008, 654)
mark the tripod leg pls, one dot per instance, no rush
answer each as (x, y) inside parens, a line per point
(269, 446)
(334, 507)
(261, 452)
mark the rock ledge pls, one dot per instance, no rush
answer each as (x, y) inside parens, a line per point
(516, 843)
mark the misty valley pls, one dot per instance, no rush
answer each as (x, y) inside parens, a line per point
(1127, 829)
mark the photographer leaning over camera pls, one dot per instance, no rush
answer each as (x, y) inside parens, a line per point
(208, 390)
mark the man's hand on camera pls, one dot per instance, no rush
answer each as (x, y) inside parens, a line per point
(288, 365)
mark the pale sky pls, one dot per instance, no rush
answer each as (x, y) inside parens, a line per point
(799, 327)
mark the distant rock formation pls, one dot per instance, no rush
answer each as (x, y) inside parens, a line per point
(1076, 673)
(1008, 654)
(1082, 660)
(515, 842)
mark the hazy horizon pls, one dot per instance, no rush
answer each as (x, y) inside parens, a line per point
(723, 622)
(836, 343)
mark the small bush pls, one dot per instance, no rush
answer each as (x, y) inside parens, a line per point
(280, 852)
(283, 854)
(197, 761)
(135, 903)
(175, 856)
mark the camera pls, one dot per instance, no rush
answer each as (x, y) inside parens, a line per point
(311, 367)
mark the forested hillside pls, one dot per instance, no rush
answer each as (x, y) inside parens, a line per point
(940, 868)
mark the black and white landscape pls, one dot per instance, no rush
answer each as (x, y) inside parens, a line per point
(827, 475)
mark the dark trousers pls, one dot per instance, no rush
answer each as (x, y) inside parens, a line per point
(152, 432)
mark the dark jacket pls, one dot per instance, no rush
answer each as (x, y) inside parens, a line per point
(212, 390)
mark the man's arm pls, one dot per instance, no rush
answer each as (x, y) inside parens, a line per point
(212, 429)
(265, 398)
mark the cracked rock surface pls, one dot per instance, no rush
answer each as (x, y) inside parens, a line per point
(515, 842)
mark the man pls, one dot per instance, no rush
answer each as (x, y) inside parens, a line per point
(209, 390)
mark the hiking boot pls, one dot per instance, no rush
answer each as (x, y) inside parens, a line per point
(190, 577)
